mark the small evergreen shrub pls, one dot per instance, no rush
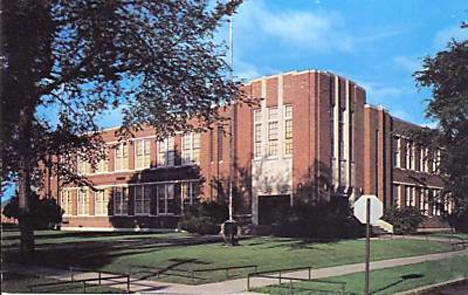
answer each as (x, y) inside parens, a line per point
(405, 220)
(204, 218)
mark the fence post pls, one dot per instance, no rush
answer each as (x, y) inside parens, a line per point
(248, 282)
(227, 273)
(255, 268)
(310, 272)
(128, 284)
(290, 286)
(279, 277)
(84, 286)
(191, 274)
(343, 286)
(99, 274)
(71, 273)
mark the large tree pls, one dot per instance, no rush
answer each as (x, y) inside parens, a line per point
(66, 62)
(446, 74)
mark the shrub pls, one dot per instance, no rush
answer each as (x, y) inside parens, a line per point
(323, 220)
(43, 214)
(204, 218)
(405, 220)
(459, 219)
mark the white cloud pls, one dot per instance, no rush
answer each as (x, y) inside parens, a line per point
(407, 63)
(443, 36)
(313, 30)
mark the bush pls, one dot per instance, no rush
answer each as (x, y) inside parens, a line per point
(324, 220)
(459, 219)
(204, 218)
(43, 214)
(405, 220)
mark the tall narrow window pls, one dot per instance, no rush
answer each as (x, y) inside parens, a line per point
(142, 200)
(396, 195)
(220, 143)
(396, 152)
(102, 202)
(84, 167)
(142, 154)
(272, 132)
(121, 157)
(409, 156)
(166, 152)
(288, 130)
(257, 133)
(120, 195)
(188, 193)
(422, 159)
(83, 202)
(191, 148)
(66, 202)
(102, 165)
(410, 196)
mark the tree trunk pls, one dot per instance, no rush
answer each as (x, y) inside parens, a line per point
(24, 183)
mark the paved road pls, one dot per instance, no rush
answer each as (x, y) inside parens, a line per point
(238, 286)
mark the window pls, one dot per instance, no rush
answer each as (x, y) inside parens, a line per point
(83, 166)
(397, 195)
(102, 202)
(272, 132)
(220, 143)
(410, 202)
(166, 152)
(121, 157)
(288, 130)
(188, 193)
(142, 154)
(66, 202)
(120, 195)
(396, 152)
(423, 159)
(191, 148)
(142, 200)
(409, 156)
(257, 133)
(102, 166)
(166, 202)
(83, 202)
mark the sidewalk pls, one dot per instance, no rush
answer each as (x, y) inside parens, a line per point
(237, 286)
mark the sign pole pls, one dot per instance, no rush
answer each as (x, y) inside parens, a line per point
(368, 205)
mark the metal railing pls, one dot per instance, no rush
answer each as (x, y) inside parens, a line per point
(99, 279)
(268, 274)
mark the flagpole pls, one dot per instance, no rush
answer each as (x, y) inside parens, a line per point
(231, 125)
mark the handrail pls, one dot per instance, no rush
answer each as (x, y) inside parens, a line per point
(224, 268)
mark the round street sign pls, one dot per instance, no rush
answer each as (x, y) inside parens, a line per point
(376, 208)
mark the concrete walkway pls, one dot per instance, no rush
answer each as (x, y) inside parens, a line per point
(237, 286)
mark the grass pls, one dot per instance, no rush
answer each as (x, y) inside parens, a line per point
(448, 235)
(18, 283)
(384, 281)
(266, 252)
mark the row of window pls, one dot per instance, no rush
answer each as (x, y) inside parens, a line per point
(428, 200)
(414, 158)
(272, 138)
(142, 148)
(148, 199)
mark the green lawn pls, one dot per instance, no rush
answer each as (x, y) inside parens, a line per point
(384, 281)
(448, 235)
(18, 283)
(266, 252)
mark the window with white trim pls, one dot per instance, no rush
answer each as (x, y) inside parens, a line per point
(166, 202)
(84, 167)
(66, 202)
(288, 129)
(409, 155)
(102, 166)
(191, 148)
(82, 202)
(258, 133)
(396, 152)
(166, 152)
(142, 154)
(142, 200)
(121, 157)
(396, 195)
(272, 132)
(120, 197)
(410, 202)
(189, 193)
(423, 159)
(102, 202)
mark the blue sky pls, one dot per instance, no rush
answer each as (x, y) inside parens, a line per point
(378, 44)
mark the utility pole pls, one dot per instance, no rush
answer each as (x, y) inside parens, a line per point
(231, 126)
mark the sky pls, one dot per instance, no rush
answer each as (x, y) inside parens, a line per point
(378, 44)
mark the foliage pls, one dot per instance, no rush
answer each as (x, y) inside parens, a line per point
(204, 218)
(333, 219)
(44, 213)
(405, 220)
(446, 74)
(459, 219)
(65, 63)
